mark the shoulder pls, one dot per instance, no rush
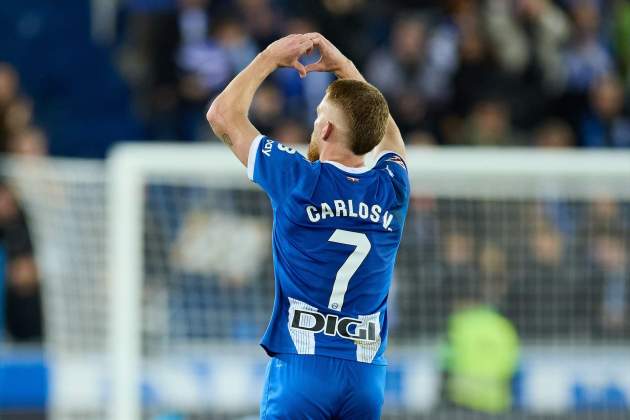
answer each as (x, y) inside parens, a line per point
(388, 156)
(396, 169)
(277, 168)
(391, 162)
(267, 152)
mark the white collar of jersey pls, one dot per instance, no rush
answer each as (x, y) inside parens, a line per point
(348, 169)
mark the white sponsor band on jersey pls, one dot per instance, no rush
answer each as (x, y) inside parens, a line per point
(365, 331)
(346, 208)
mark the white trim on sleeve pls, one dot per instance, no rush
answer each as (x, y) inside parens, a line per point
(251, 157)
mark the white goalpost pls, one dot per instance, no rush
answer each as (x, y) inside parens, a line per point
(486, 174)
(152, 311)
(128, 169)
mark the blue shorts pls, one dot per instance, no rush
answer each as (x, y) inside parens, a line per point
(319, 387)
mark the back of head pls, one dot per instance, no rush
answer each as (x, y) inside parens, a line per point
(366, 112)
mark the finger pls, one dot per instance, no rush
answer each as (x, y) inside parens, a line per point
(318, 66)
(306, 46)
(322, 43)
(303, 38)
(313, 35)
(317, 37)
(312, 47)
(300, 68)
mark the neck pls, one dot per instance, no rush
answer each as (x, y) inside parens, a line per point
(345, 157)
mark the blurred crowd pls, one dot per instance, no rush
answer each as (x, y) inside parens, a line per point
(541, 73)
(557, 269)
(547, 73)
(21, 306)
(538, 73)
(18, 133)
(469, 72)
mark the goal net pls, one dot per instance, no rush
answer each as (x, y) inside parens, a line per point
(158, 281)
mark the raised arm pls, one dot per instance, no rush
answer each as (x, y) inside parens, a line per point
(333, 60)
(228, 114)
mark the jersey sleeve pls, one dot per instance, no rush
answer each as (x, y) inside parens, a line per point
(275, 167)
(396, 167)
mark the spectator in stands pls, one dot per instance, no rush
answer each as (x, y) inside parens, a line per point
(369, 20)
(612, 291)
(268, 107)
(420, 138)
(528, 35)
(22, 296)
(621, 21)
(9, 84)
(459, 265)
(478, 81)
(400, 71)
(31, 141)
(18, 116)
(400, 65)
(147, 60)
(237, 43)
(459, 253)
(443, 62)
(193, 21)
(214, 284)
(554, 133)
(292, 132)
(443, 45)
(606, 213)
(493, 274)
(204, 68)
(541, 298)
(489, 125)
(586, 58)
(261, 20)
(16, 111)
(479, 357)
(605, 124)
(421, 244)
(423, 278)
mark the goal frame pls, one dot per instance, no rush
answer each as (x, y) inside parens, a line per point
(500, 173)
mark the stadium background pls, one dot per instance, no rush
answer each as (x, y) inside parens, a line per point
(77, 77)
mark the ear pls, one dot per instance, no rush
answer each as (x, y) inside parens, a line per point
(327, 130)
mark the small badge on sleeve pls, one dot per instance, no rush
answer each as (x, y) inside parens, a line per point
(398, 160)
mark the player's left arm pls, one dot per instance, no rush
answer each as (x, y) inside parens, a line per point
(228, 113)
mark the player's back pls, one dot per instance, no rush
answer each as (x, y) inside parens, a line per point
(335, 238)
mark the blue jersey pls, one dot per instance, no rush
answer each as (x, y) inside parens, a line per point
(336, 233)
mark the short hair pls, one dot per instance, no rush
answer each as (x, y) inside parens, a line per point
(366, 111)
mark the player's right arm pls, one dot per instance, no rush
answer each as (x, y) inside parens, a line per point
(333, 60)
(228, 114)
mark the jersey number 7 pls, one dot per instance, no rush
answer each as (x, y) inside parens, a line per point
(350, 266)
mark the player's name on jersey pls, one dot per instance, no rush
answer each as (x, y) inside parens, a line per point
(346, 208)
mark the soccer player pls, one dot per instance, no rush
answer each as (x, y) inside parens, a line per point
(337, 228)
